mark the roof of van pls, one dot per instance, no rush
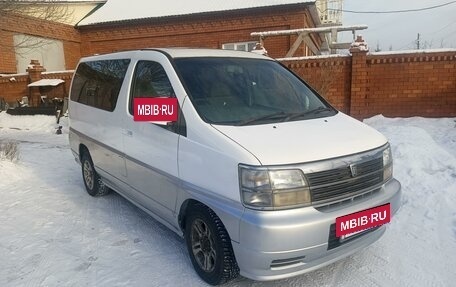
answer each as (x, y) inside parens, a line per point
(186, 53)
(201, 52)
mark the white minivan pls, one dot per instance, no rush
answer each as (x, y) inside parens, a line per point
(259, 174)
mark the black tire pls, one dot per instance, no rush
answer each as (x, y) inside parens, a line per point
(209, 246)
(92, 181)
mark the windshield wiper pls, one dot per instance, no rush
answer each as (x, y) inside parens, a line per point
(280, 114)
(284, 115)
(318, 110)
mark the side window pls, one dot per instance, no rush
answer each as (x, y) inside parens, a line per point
(150, 81)
(98, 83)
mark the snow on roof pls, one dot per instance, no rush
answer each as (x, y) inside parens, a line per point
(57, 72)
(312, 57)
(46, 82)
(13, 75)
(121, 10)
(423, 51)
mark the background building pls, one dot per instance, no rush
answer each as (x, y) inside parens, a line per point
(120, 25)
(41, 30)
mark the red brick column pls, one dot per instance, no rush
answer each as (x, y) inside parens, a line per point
(359, 79)
(7, 56)
(34, 70)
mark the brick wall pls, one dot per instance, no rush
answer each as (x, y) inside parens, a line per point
(12, 90)
(209, 30)
(203, 30)
(395, 85)
(362, 85)
(10, 25)
(13, 87)
(7, 56)
(330, 76)
(411, 84)
(72, 53)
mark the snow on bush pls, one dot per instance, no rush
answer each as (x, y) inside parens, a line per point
(9, 150)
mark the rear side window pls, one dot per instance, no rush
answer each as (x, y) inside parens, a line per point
(98, 83)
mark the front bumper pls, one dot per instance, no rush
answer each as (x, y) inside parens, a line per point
(280, 244)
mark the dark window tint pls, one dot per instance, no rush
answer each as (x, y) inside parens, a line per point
(98, 83)
(150, 81)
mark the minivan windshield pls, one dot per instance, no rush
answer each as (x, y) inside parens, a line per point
(244, 91)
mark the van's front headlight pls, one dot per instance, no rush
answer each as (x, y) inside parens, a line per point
(265, 188)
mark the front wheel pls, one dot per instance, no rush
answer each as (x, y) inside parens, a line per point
(209, 246)
(92, 181)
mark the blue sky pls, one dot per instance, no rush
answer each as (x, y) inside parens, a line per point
(437, 26)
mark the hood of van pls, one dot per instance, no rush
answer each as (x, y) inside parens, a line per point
(306, 140)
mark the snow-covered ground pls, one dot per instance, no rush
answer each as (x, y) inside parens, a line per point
(53, 234)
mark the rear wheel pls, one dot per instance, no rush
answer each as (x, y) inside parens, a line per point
(92, 181)
(209, 246)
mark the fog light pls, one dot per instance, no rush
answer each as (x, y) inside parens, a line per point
(288, 198)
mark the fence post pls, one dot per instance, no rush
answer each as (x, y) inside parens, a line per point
(359, 79)
(34, 70)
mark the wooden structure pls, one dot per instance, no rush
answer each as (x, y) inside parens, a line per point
(329, 43)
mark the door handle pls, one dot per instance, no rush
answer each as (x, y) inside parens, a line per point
(128, 133)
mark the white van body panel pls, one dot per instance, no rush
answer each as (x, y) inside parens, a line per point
(105, 128)
(305, 141)
(209, 160)
(160, 170)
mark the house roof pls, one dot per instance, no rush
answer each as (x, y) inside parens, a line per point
(122, 10)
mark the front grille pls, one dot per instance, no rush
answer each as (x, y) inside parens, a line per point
(338, 184)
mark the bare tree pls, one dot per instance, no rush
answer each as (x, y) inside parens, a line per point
(377, 48)
(46, 10)
(428, 44)
(442, 43)
(49, 10)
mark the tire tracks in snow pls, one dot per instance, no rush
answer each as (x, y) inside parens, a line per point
(425, 214)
